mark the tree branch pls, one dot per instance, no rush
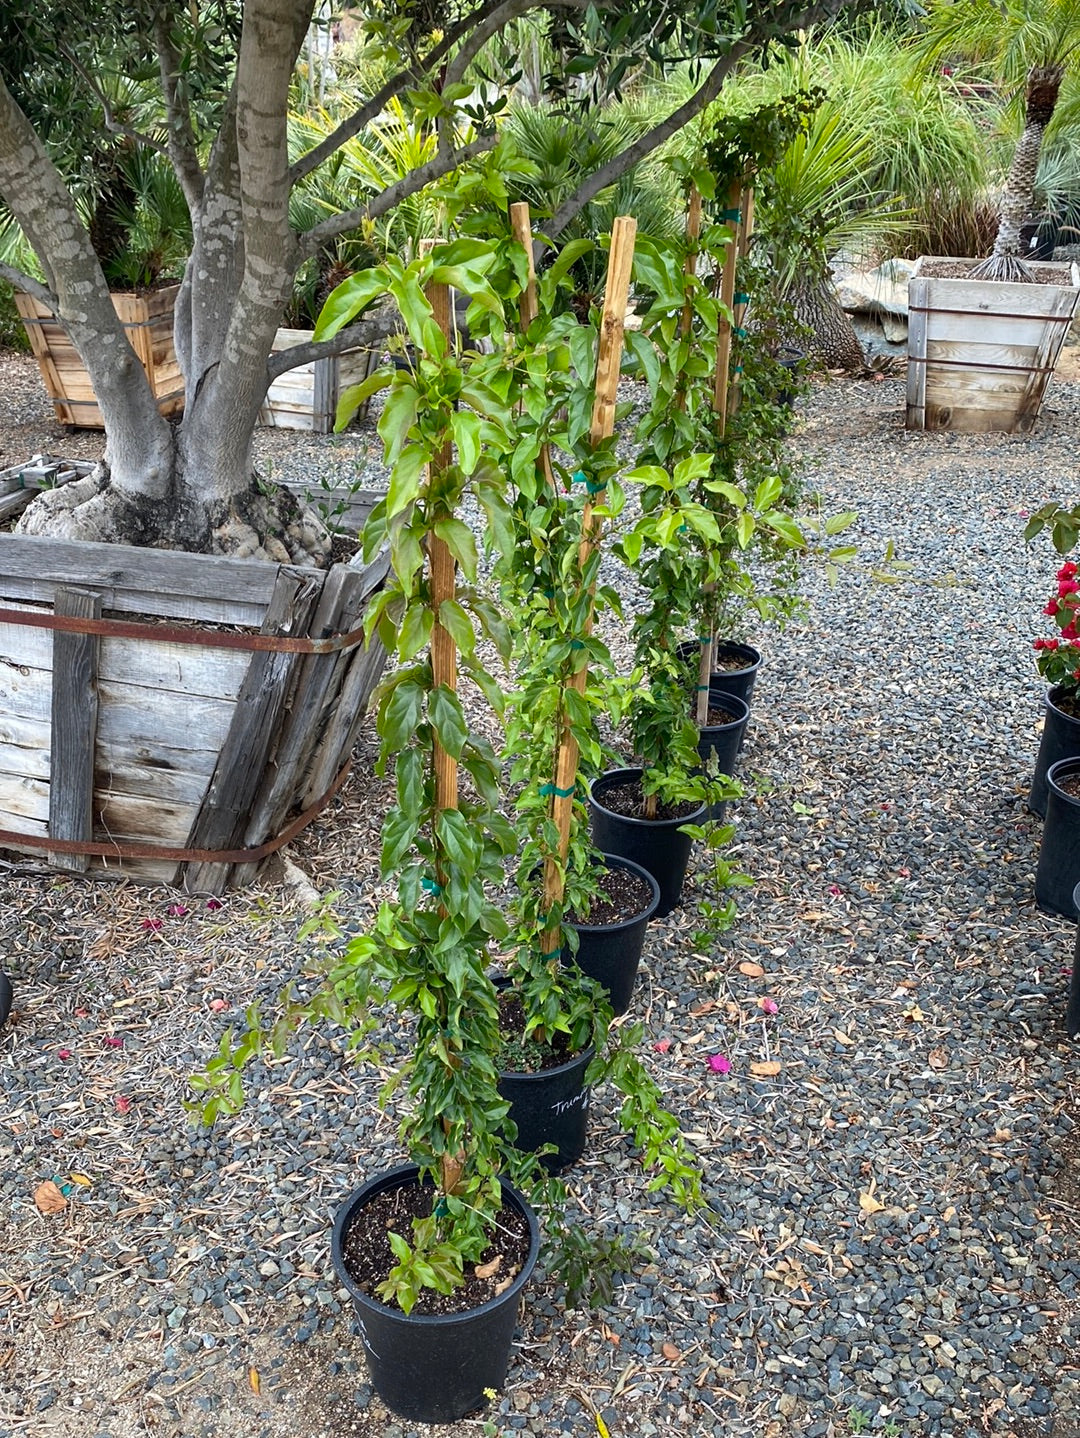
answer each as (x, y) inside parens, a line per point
(112, 124)
(790, 17)
(364, 334)
(182, 147)
(27, 284)
(409, 76)
(415, 180)
(491, 24)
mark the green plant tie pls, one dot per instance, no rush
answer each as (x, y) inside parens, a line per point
(740, 297)
(739, 332)
(702, 687)
(442, 1208)
(704, 639)
(735, 215)
(431, 886)
(553, 954)
(592, 486)
(546, 789)
(576, 644)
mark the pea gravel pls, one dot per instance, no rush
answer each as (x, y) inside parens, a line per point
(892, 1241)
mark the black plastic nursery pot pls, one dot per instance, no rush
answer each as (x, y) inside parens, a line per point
(1060, 740)
(656, 844)
(551, 1106)
(1072, 1016)
(5, 997)
(1058, 872)
(719, 744)
(433, 1368)
(611, 953)
(735, 666)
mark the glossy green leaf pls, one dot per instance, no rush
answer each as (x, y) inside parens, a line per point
(448, 720)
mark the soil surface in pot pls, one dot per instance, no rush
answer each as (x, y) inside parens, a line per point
(519, 1055)
(368, 1257)
(950, 269)
(622, 895)
(628, 801)
(1070, 784)
(729, 663)
(1068, 704)
(719, 716)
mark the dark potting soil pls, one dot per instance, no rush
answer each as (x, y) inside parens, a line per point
(623, 895)
(1070, 784)
(368, 1257)
(518, 1054)
(956, 269)
(1068, 704)
(729, 663)
(627, 800)
(718, 716)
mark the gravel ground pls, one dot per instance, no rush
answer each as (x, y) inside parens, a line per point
(892, 1243)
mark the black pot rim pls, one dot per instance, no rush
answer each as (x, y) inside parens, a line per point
(1052, 696)
(616, 861)
(1056, 772)
(723, 699)
(582, 1059)
(409, 1173)
(623, 775)
(733, 646)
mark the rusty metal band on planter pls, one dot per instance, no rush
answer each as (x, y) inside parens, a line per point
(175, 634)
(122, 849)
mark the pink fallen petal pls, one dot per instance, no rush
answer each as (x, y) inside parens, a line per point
(214, 904)
(662, 1045)
(719, 1064)
(151, 924)
(63, 1053)
(122, 1103)
(177, 911)
(835, 891)
(769, 1006)
(218, 1004)
(114, 1043)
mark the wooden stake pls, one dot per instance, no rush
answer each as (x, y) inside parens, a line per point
(443, 570)
(693, 233)
(608, 363)
(529, 307)
(739, 306)
(727, 295)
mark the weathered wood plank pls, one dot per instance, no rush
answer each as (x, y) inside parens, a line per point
(244, 754)
(178, 669)
(916, 372)
(356, 689)
(74, 728)
(321, 677)
(159, 582)
(124, 717)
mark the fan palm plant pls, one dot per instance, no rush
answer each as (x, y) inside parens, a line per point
(1030, 46)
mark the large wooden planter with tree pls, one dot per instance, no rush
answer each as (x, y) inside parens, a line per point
(981, 351)
(172, 716)
(307, 397)
(148, 323)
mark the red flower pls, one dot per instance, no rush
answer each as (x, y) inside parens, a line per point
(1068, 631)
(1067, 586)
(1067, 570)
(1052, 607)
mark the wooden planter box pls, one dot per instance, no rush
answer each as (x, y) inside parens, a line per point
(148, 323)
(171, 716)
(307, 397)
(980, 352)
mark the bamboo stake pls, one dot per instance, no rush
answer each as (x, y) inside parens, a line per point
(693, 233)
(443, 584)
(608, 363)
(529, 307)
(733, 215)
(741, 301)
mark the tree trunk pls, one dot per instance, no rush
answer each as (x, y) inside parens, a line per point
(833, 341)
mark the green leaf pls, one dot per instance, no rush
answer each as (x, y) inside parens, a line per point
(767, 492)
(567, 256)
(448, 720)
(458, 538)
(398, 416)
(400, 713)
(457, 624)
(344, 303)
(731, 492)
(744, 528)
(415, 632)
(350, 400)
(785, 527)
(466, 431)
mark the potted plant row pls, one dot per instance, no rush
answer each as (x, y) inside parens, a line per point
(455, 1238)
